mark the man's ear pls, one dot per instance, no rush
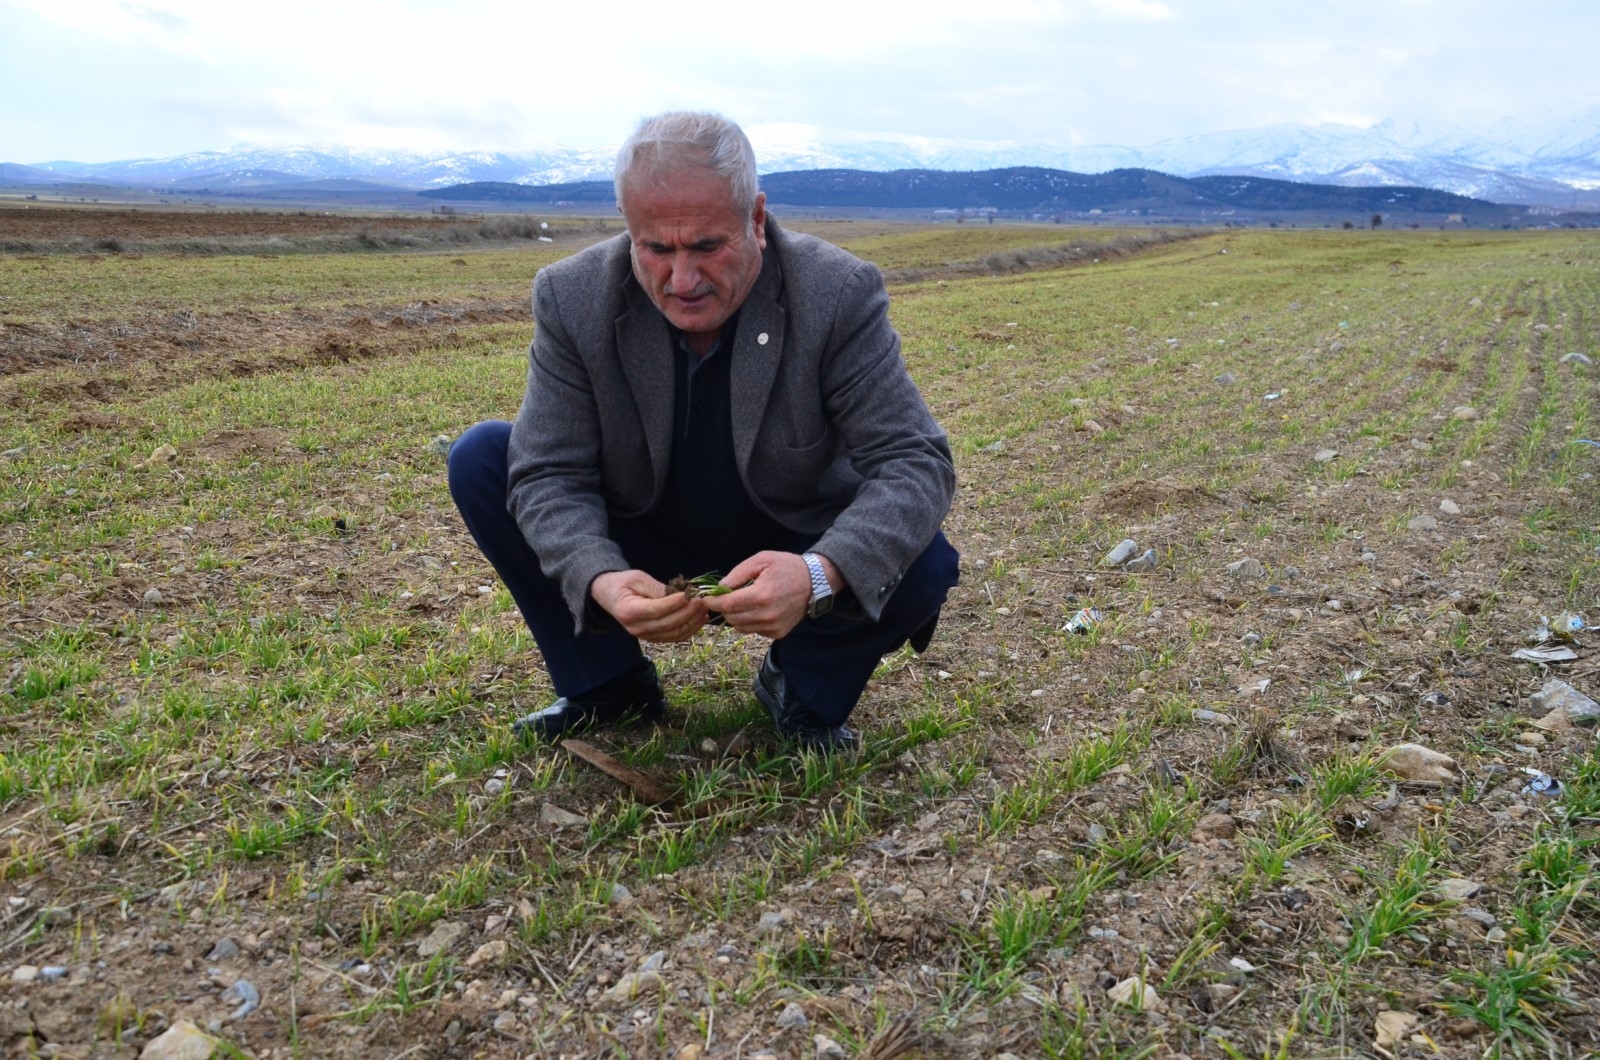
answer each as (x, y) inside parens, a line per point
(758, 219)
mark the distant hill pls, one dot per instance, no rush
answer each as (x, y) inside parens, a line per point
(1034, 190)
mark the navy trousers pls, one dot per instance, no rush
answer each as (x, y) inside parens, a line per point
(826, 662)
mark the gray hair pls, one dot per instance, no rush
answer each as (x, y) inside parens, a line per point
(679, 140)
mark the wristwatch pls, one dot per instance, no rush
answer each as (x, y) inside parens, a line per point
(821, 591)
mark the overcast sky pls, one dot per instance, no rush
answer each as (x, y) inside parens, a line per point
(97, 80)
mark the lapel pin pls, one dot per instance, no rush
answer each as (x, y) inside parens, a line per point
(761, 339)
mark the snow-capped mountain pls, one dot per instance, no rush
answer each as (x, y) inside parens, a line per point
(1555, 162)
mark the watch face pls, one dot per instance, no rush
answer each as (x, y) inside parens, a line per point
(820, 606)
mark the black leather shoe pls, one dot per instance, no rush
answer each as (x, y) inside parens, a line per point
(635, 697)
(794, 721)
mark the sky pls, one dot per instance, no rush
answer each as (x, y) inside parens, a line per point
(101, 80)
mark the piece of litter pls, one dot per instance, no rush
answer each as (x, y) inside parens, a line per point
(1545, 655)
(1541, 783)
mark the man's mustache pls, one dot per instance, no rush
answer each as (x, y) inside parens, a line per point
(704, 288)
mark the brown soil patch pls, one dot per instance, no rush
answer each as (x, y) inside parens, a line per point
(159, 351)
(230, 445)
(69, 224)
(1143, 497)
(85, 420)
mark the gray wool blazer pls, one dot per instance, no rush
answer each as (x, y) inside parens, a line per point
(829, 433)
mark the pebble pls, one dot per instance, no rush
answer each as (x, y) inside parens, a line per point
(1326, 456)
(1213, 717)
(554, 816)
(15, 454)
(1394, 1028)
(1414, 762)
(620, 895)
(1449, 507)
(827, 1048)
(1571, 358)
(792, 1018)
(1249, 567)
(771, 923)
(506, 1022)
(1479, 916)
(1135, 993)
(492, 952)
(494, 786)
(441, 938)
(1458, 890)
(225, 950)
(1533, 739)
(633, 985)
(181, 1041)
(1423, 522)
(439, 445)
(53, 971)
(24, 973)
(1463, 412)
(164, 454)
(1124, 551)
(154, 597)
(692, 1051)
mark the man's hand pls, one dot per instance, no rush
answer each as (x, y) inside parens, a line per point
(771, 591)
(642, 606)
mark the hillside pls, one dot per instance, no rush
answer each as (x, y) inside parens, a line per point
(1033, 190)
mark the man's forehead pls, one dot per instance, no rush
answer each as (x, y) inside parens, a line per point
(679, 193)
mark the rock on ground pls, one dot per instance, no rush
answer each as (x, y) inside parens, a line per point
(181, 1041)
(1414, 762)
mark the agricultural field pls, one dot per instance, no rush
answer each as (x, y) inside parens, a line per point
(257, 769)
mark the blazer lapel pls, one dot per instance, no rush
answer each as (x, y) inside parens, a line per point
(644, 347)
(757, 347)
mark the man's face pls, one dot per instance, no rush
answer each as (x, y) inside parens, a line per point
(693, 252)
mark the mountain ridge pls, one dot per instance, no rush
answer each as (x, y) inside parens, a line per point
(1554, 164)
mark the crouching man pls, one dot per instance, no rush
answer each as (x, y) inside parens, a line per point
(710, 393)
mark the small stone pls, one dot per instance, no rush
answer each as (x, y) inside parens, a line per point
(1142, 564)
(1463, 412)
(323, 511)
(692, 1051)
(771, 923)
(1240, 964)
(1213, 717)
(1326, 456)
(1125, 550)
(506, 1022)
(554, 816)
(620, 895)
(1216, 826)
(492, 952)
(154, 598)
(439, 445)
(1394, 1028)
(225, 949)
(1249, 567)
(181, 1041)
(1580, 359)
(441, 938)
(15, 454)
(1479, 916)
(1449, 507)
(633, 985)
(24, 973)
(1414, 762)
(1458, 890)
(53, 972)
(792, 1018)
(1423, 522)
(494, 786)
(827, 1048)
(1135, 993)
(1532, 739)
